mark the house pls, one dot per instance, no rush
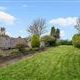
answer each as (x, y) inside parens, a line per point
(7, 42)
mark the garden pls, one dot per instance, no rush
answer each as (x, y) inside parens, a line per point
(46, 58)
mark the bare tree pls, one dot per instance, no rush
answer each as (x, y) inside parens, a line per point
(37, 27)
(77, 26)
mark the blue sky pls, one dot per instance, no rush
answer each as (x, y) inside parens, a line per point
(16, 15)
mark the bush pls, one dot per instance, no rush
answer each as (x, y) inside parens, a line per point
(49, 40)
(34, 49)
(35, 41)
(14, 52)
(21, 47)
(64, 42)
(76, 40)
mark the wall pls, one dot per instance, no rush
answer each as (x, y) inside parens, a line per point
(7, 42)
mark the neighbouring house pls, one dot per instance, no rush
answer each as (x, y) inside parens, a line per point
(7, 42)
(2, 31)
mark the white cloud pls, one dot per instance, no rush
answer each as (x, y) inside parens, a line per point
(2, 8)
(47, 33)
(7, 18)
(8, 33)
(27, 6)
(68, 21)
(62, 34)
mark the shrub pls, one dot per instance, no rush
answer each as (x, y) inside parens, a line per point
(76, 40)
(64, 42)
(35, 41)
(14, 52)
(21, 47)
(34, 49)
(49, 40)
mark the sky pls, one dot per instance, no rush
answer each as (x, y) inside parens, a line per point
(16, 15)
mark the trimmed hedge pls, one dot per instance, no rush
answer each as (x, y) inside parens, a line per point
(64, 42)
(76, 40)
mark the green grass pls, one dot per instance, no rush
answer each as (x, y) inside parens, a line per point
(59, 63)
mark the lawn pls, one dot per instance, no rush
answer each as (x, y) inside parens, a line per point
(59, 63)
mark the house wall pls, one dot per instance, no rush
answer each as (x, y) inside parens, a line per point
(4, 42)
(7, 42)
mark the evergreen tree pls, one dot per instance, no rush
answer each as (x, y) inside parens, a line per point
(57, 33)
(53, 31)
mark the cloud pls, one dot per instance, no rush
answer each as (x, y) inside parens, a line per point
(2, 8)
(7, 18)
(47, 33)
(62, 34)
(8, 33)
(68, 21)
(27, 6)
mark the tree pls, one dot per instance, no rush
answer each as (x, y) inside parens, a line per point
(37, 27)
(55, 32)
(35, 41)
(77, 26)
(76, 40)
(49, 40)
